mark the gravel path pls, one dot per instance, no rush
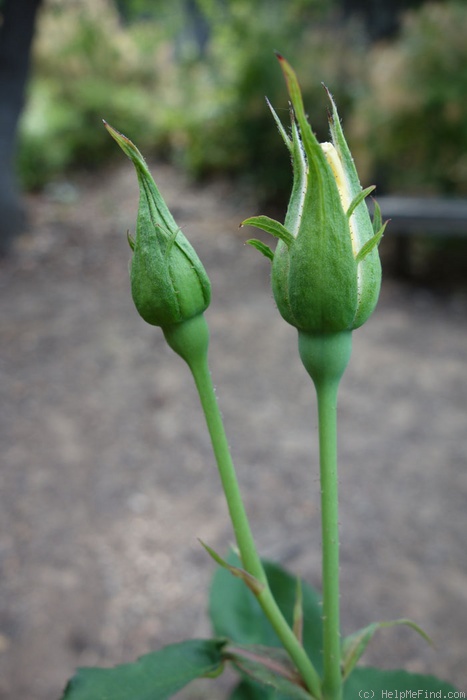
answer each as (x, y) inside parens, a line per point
(107, 477)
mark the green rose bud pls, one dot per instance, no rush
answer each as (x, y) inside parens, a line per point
(326, 273)
(169, 284)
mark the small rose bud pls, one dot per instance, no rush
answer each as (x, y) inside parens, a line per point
(169, 284)
(326, 272)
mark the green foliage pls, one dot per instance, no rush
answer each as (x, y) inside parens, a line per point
(158, 675)
(412, 125)
(355, 644)
(403, 102)
(236, 614)
(230, 129)
(149, 76)
(249, 643)
(269, 669)
(246, 690)
(87, 67)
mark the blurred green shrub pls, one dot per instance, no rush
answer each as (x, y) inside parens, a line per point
(226, 125)
(86, 67)
(403, 101)
(411, 126)
(149, 79)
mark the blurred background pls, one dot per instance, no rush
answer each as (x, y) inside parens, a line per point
(187, 80)
(106, 466)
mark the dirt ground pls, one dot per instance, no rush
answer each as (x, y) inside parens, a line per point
(107, 477)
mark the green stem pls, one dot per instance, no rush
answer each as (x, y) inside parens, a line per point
(325, 357)
(327, 414)
(190, 340)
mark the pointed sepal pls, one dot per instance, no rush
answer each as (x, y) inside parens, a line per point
(262, 247)
(280, 127)
(358, 199)
(253, 584)
(314, 153)
(372, 243)
(297, 624)
(128, 147)
(377, 217)
(265, 223)
(131, 241)
(355, 644)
